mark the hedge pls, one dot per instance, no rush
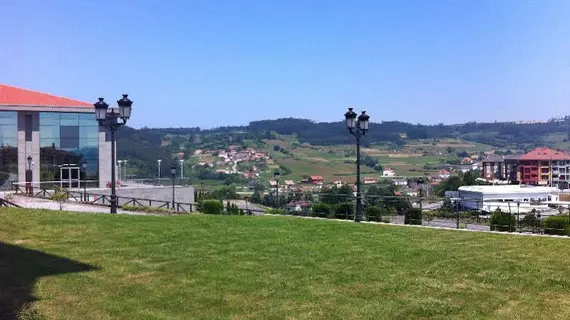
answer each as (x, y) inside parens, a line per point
(212, 207)
(321, 210)
(556, 225)
(373, 213)
(413, 216)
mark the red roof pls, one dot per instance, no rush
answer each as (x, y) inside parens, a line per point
(13, 96)
(316, 178)
(546, 154)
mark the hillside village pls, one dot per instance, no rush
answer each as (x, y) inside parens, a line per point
(258, 166)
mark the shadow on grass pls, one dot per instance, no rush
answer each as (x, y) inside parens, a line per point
(19, 270)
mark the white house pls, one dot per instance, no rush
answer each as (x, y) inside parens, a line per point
(388, 173)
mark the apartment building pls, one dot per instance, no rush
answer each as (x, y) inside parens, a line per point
(496, 167)
(544, 166)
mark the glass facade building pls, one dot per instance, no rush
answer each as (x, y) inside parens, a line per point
(8, 143)
(44, 139)
(67, 140)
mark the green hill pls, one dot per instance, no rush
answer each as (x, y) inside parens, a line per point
(317, 148)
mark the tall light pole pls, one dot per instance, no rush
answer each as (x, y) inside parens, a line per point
(120, 165)
(420, 183)
(84, 171)
(159, 161)
(111, 121)
(173, 172)
(125, 172)
(276, 175)
(357, 129)
(181, 168)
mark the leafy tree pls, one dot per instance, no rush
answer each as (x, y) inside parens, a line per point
(463, 154)
(502, 221)
(336, 195)
(256, 197)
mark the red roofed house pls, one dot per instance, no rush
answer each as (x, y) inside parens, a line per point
(316, 179)
(46, 138)
(544, 166)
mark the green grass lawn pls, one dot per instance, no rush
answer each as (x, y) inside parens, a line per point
(236, 267)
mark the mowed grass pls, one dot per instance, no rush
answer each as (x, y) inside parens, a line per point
(237, 267)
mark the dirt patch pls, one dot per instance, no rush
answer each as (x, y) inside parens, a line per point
(317, 159)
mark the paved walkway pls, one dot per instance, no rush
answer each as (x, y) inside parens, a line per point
(445, 223)
(38, 203)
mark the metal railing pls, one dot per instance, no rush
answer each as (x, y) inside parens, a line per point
(6, 203)
(105, 200)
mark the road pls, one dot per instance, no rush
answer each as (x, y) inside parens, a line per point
(241, 204)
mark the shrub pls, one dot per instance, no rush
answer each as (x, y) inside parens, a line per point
(373, 213)
(60, 195)
(321, 210)
(344, 210)
(556, 225)
(212, 207)
(429, 216)
(502, 221)
(413, 216)
(530, 220)
(277, 211)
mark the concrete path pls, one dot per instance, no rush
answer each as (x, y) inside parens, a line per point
(38, 203)
(445, 223)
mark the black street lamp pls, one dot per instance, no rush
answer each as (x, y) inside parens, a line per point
(173, 172)
(84, 171)
(357, 129)
(29, 176)
(111, 121)
(276, 175)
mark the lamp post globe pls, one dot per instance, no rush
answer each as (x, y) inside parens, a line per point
(101, 109)
(363, 122)
(125, 107)
(29, 162)
(350, 119)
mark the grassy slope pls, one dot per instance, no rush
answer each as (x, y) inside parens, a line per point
(317, 160)
(200, 267)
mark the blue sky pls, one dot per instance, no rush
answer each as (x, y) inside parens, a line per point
(210, 63)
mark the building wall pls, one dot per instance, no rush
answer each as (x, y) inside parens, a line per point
(105, 158)
(30, 147)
